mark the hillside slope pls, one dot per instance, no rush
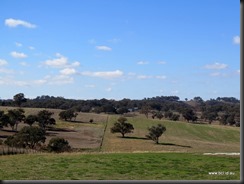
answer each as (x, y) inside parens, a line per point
(179, 137)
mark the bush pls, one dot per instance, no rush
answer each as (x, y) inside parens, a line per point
(91, 120)
(58, 145)
(175, 117)
(27, 137)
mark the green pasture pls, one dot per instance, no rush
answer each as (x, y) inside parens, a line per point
(119, 166)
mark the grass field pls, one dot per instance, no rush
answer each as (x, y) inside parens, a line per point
(179, 156)
(179, 137)
(119, 166)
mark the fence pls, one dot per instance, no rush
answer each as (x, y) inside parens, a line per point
(12, 151)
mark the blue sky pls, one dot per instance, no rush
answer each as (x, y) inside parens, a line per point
(115, 49)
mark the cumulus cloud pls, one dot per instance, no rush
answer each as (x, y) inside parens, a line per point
(18, 44)
(61, 79)
(18, 54)
(3, 62)
(175, 92)
(31, 47)
(144, 77)
(60, 62)
(57, 79)
(236, 40)
(142, 62)
(108, 89)
(215, 74)
(23, 63)
(16, 22)
(106, 74)
(160, 77)
(216, 66)
(6, 71)
(68, 71)
(103, 48)
(76, 63)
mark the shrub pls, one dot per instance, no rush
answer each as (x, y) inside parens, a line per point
(58, 145)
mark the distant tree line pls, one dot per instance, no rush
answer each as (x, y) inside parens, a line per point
(226, 110)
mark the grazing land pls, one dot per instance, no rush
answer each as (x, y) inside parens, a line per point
(100, 155)
(120, 166)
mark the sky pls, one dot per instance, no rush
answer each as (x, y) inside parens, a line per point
(115, 49)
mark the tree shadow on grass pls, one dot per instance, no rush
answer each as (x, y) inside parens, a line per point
(171, 144)
(60, 129)
(143, 138)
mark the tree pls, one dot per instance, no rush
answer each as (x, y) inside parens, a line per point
(175, 117)
(210, 116)
(30, 119)
(68, 114)
(168, 114)
(27, 137)
(44, 118)
(190, 115)
(159, 115)
(122, 110)
(19, 99)
(121, 126)
(145, 110)
(155, 132)
(15, 117)
(58, 145)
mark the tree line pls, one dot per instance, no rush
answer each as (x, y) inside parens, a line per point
(226, 110)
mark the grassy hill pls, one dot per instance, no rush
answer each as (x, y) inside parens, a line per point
(138, 157)
(179, 136)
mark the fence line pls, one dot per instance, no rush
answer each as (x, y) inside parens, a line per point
(13, 150)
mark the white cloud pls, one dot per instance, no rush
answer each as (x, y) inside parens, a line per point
(3, 62)
(68, 71)
(18, 54)
(103, 48)
(162, 62)
(60, 62)
(215, 74)
(15, 22)
(31, 47)
(40, 81)
(142, 62)
(10, 81)
(76, 63)
(161, 77)
(238, 71)
(107, 74)
(61, 79)
(236, 40)
(109, 89)
(23, 63)
(18, 44)
(6, 71)
(175, 92)
(216, 66)
(144, 77)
